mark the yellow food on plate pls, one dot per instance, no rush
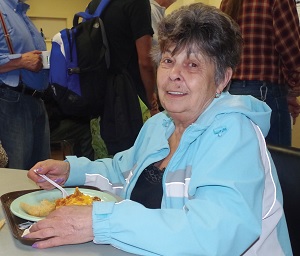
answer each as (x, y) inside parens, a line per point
(78, 198)
(45, 207)
(40, 210)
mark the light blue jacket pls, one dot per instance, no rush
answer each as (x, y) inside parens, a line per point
(219, 196)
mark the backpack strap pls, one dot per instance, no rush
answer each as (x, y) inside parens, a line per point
(101, 7)
(86, 15)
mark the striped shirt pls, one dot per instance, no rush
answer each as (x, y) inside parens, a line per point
(271, 34)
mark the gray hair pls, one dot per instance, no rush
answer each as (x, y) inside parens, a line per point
(201, 29)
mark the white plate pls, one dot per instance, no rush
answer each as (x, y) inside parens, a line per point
(34, 198)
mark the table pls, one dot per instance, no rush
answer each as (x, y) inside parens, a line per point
(14, 180)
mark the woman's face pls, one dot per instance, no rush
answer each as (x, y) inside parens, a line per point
(186, 84)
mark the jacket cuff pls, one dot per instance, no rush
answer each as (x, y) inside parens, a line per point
(76, 176)
(101, 226)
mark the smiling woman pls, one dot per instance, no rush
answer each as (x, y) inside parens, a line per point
(183, 177)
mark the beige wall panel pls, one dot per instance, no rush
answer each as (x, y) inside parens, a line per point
(214, 2)
(54, 15)
(56, 8)
(179, 3)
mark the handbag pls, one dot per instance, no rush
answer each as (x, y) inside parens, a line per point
(3, 157)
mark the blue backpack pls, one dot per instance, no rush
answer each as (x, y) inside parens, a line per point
(79, 63)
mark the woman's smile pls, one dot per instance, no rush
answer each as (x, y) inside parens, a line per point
(174, 93)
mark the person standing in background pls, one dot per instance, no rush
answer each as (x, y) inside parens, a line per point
(158, 9)
(24, 127)
(270, 64)
(129, 34)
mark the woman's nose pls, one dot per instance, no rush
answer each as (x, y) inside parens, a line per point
(175, 73)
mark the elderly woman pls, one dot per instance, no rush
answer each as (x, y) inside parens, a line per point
(199, 179)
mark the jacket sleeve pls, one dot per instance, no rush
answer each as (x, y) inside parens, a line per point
(222, 214)
(112, 173)
(106, 174)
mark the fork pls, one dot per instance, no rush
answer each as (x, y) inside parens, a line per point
(63, 191)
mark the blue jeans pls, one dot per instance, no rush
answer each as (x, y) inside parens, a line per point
(275, 96)
(24, 129)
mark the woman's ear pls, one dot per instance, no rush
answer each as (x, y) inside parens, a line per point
(225, 81)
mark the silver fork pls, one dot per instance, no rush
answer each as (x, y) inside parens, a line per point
(63, 191)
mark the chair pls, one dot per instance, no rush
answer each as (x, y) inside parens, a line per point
(287, 162)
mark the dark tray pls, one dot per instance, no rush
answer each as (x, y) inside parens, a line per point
(13, 220)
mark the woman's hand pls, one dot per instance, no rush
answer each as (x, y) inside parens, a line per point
(66, 225)
(55, 169)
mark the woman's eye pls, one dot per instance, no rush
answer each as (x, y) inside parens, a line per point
(167, 61)
(193, 65)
